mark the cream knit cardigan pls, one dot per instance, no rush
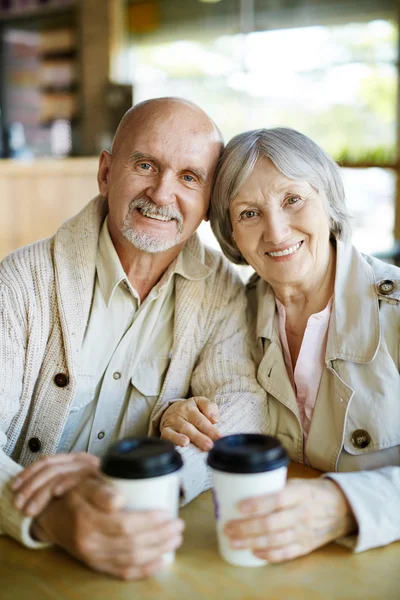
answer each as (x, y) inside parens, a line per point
(45, 297)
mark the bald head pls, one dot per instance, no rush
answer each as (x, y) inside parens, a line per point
(193, 118)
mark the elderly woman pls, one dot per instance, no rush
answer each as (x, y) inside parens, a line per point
(325, 331)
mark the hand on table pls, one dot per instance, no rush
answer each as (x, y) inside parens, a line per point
(295, 521)
(191, 420)
(89, 523)
(49, 477)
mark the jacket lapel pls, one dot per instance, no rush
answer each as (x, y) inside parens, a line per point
(272, 373)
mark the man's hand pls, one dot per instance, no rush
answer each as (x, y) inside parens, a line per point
(89, 524)
(295, 521)
(50, 477)
(191, 420)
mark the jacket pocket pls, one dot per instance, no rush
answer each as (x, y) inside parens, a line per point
(148, 377)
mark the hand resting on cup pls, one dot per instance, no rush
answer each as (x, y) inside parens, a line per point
(295, 521)
(191, 420)
(49, 477)
(90, 524)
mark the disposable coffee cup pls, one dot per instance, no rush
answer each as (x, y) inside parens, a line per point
(243, 466)
(146, 471)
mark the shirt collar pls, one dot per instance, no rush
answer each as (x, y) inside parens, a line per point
(111, 274)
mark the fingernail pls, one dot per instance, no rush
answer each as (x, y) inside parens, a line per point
(214, 418)
(185, 441)
(31, 510)
(245, 507)
(16, 484)
(18, 501)
(207, 446)
(237, 543)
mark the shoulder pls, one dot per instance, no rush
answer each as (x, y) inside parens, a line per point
(29, 266)
(222, 278)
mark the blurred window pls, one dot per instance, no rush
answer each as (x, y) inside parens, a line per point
(336, 84)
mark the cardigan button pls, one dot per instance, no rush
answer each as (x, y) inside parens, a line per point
(61, 380)
(361, 438)
(386, 287)
(34, 444)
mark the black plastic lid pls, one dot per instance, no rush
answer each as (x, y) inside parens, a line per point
(141, 458)
(247, 453)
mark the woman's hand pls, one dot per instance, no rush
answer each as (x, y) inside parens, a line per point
(191, 420)
(50, 477)
(295, 521)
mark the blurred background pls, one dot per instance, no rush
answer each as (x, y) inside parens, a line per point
(69, 69)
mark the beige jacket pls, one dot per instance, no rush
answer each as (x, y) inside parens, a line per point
(45, 296)
(356, 420)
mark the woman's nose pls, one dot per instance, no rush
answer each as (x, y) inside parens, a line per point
(276, 228)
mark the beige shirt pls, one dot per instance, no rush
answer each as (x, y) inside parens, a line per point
(125, 354)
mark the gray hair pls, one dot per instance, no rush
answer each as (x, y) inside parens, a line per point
(297, 157)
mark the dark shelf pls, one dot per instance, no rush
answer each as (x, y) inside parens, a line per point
(58, 55)
(367, 165)
(31, 13)
(62, 89)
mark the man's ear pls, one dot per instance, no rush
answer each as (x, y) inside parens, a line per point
(104, 172)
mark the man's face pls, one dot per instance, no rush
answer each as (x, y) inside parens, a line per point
(158, 181)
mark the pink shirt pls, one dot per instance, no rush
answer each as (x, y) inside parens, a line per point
(310, 363)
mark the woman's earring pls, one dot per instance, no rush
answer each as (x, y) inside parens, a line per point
(233, 235)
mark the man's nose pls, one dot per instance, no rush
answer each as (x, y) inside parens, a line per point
(276, 228)
(162, 189)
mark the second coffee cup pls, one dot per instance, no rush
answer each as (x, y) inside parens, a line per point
(243, 465)
(146, 471)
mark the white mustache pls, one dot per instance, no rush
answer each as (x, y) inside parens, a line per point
(168, 212)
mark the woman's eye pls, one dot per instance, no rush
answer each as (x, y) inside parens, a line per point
(248, 214)
(293, 200)
(188, 178)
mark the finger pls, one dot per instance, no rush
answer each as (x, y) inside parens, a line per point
(208, 408)
(203, 425)
(102, 495)
(291, 495)
(278, 555)
(263, 524)
(53, 461)
(136, 573)
(197, 438)
(126, 525)
(178, 439)
(266, 542)
(136, 557)
(44, 477)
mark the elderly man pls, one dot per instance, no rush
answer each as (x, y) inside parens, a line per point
(104, 325)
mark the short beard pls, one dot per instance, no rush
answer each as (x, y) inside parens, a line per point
(144, 241)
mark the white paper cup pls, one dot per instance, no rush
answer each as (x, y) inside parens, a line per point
(146, 471)
(243, 466)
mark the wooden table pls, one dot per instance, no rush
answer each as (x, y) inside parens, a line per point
(199, 573)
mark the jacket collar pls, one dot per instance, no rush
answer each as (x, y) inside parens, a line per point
(354, 329)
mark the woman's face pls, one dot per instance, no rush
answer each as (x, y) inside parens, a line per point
(281, 227)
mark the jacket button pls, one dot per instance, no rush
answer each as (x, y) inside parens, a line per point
(386, 287)
(361, 438)
(34, 444)
(61, 380)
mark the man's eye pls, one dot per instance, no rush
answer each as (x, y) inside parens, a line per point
(188, 178)
(248, 214)
(293, 200)
(145, 166)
